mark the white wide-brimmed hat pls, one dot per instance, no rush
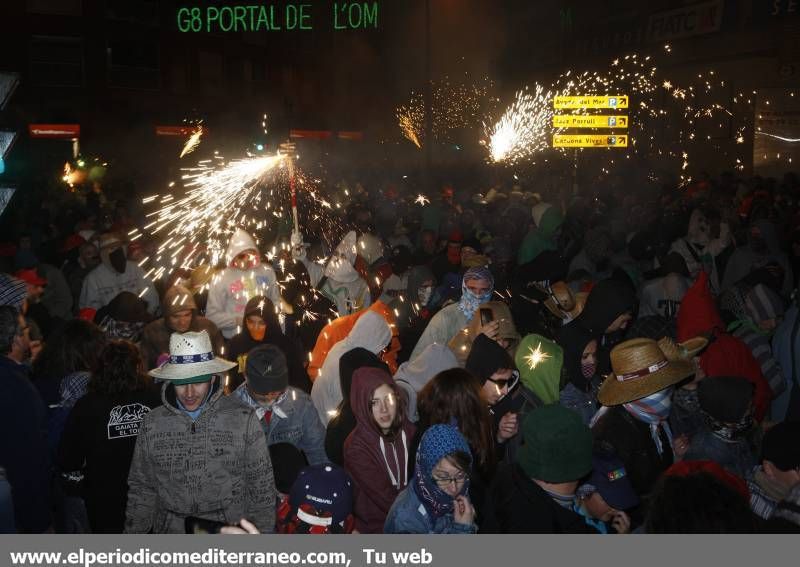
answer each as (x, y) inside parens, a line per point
(191, 356)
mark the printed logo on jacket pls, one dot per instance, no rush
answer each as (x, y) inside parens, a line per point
(124, 421)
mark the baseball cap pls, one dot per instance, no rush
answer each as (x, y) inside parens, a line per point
(611, 481)
(266, 369)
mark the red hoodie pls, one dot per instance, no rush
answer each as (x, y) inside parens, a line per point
(726, 355)
(370, 464)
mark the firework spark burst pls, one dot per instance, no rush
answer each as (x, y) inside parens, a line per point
(192, 142)
(535, 356)
(523, 129)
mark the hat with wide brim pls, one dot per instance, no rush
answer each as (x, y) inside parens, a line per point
(560, 300)
(190, 356)
(686, 350)
(640, 368)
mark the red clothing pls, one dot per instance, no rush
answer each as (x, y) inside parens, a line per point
(370, 465)
(726, 355)
(729, 356)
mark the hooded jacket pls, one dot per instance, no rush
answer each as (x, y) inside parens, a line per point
(539, 361)
(413, 375)
(573, 338)
(370, 332)
(343, 423)
(526, 294)
(548, 219)
(608, 300)
(243, 343)
(343, 285)
(461, 344)
(216, 467)
(156, 334)
(339, 328)
(232, 288)
(725, 355)
(306, 310)
(441, 329)
(371, 458)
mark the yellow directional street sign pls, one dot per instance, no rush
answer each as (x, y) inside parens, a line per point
(611, 101)
(589, 141)
(594, 121)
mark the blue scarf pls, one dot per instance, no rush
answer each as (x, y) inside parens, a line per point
(438, 441)
(654, 411)
(469, 302)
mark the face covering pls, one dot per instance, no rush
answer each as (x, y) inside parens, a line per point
(117, 260)
(340, 270)
(470, 302)
(424, 294)
(258, 334)
(729, 431)
(588, 369)
(654, 411)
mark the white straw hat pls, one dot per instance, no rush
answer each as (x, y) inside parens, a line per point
(190, 356)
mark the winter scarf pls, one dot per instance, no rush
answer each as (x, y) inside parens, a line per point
(470, 302)
(654, 411)
(438, 442)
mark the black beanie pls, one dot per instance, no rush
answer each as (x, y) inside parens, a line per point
(266, 369)
(486, 358)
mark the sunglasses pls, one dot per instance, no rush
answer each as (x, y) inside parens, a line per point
(509, 382)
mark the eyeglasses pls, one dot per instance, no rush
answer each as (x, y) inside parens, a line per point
(510, 382)
(444, 481)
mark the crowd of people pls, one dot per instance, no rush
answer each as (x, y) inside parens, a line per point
(511, 362)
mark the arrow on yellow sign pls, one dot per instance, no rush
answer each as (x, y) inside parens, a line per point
(583, 121)
(589, 141)
(609, 101)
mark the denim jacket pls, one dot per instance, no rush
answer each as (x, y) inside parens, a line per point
(294, 420)
(409, 516)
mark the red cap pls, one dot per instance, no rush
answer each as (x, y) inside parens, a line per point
(30, 276)
(73, 241)
(87, 314)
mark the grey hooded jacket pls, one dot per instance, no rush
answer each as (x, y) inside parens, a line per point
(217, 467)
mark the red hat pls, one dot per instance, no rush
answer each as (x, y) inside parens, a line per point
(727, 355)
(686, 468)
(30, 276)
(698, 314)
(72, 241)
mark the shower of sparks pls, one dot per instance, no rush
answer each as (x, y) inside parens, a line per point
(422, 200)
(455, 105)
(192, 142)
(523, 129)
(194, 226)
(667, 121)
(535, 357)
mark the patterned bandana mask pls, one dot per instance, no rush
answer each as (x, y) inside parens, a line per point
(438, 442)
(469, 302)
(654, 411)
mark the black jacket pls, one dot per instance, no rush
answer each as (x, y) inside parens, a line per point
(23, 447)
(520, 506)
(98, 441)
(619, 432)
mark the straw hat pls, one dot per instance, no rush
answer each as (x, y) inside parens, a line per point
(580, 303)
(191, 356)
(560, 300)
(686, 350)
(640, 368)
